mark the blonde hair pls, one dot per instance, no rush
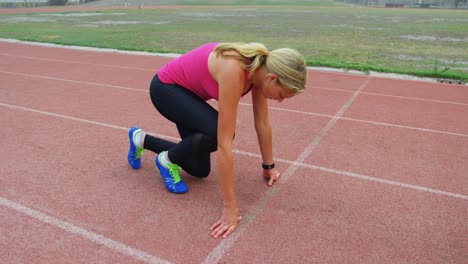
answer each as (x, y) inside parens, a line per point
(287, 63)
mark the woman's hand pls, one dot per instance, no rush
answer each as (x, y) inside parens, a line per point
(227, 224)
(271, 176)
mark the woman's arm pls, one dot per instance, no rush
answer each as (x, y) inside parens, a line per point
(262, 125)
(230, 79)
(264, 133)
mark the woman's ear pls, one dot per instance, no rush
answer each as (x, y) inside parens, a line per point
(272, 77)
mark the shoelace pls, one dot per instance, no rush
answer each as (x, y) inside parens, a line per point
(174, 170)
(138, 153)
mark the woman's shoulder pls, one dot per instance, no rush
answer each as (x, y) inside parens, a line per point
(222, 66)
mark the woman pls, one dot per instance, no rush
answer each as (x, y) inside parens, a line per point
(224, 72)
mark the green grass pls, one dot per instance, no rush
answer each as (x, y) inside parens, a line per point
(407, 41)
(254, 2)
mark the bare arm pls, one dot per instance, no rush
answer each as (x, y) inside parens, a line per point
(228, 100)
(230, 79)
(264, 133)
(263, 126)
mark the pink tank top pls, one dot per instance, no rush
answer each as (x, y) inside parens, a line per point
(191, 71)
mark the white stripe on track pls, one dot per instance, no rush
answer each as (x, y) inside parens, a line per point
(300, 164)
(74, 81)
(96, 238)
(77, 62)
(416, 98)
(81, 120)
(366, 121)
(361, 176)
(389, 95)
(247, 104)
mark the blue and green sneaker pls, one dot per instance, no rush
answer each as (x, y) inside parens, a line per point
(134, 153)
(171, 177)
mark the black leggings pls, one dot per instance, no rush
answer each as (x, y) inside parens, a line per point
(196, 121)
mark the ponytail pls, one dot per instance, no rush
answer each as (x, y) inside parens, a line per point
(252, 55)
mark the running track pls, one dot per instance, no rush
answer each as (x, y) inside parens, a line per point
(374, 170)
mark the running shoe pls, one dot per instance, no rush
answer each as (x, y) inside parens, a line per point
(171, 177)
(134, 153)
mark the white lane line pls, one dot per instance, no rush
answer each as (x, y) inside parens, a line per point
(247, 104)
(406, 127)
(73, 81)
(290, 110)
(225, 245)
(390, 95)
(360, 176)
(81, 120)
(329, 89)
(77, 62)
(415, 98)
(300, 164)
(366, 121)
(388, 182)
(96, 238)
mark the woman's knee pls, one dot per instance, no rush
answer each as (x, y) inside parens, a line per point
(204, 144)
(202, 173)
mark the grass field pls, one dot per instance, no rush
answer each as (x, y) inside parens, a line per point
(423, 42)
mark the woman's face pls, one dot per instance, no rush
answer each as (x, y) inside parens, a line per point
(273, 90)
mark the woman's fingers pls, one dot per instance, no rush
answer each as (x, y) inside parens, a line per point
(221, 228)
(219, 222)
(274, 178)
(229, 231)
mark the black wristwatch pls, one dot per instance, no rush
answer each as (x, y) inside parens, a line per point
(268, 167)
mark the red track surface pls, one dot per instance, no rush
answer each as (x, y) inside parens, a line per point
(374, 170)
